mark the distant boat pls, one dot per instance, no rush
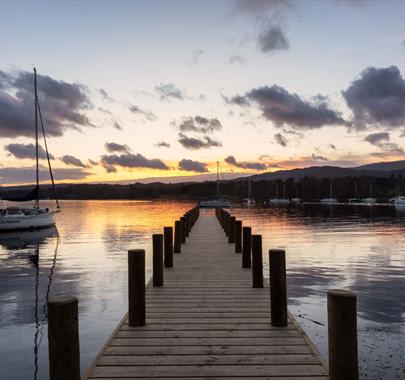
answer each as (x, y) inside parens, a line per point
(296, 199)
(249, 201)
(280, 201)
(356, 198)
(331, 200)
(370, 200)
(218, 201)
(398, 201)
(24, 218)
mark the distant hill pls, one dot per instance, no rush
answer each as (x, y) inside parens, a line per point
(380, 169)
(383, 166)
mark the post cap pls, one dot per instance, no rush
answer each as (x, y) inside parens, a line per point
(62, 300)
(341, 293)
(136, 251)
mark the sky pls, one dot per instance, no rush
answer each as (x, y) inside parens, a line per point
(139, 89)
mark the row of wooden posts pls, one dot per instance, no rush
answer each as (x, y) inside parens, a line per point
(341, 304)
(63, 319)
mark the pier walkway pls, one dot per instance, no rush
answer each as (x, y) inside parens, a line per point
(207, 322)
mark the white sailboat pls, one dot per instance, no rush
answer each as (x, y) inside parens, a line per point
(331, 200)
(398, 200)
(370, 200)
(218, 201)
(296, 199)
(356, 198)
(249, 201)
(27, 218)
(280, 201)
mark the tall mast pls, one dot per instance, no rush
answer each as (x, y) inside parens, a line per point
(330, 190)
(36, 135)
(217, 179)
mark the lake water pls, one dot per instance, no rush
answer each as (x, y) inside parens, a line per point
(361, 248)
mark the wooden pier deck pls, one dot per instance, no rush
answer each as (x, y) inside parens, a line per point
(207, 322)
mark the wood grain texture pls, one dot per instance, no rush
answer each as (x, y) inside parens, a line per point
(207, 322)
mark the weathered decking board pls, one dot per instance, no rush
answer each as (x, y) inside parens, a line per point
(207, 322)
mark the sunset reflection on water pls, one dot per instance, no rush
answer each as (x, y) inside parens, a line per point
(360, 248)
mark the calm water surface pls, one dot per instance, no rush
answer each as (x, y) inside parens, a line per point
(361, 248)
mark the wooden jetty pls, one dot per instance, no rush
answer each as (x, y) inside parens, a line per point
(208, 322)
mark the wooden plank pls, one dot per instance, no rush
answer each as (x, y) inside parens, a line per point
(207, 322)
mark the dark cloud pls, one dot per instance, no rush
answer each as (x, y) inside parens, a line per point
(117, 126)
(168, 91)
(332, 146)
(92, 162)
(193, 166)
(105, 95)
(73, 161)
(259, 7)
(113, 147)
(377, 98)
(149, 115)
(195, 56)
(273, 39)
(284, 108)
(280, 139)
(230, 160)
(26, 174)
(194, 143)
(236, 58)
(319, 158)
(382, 141)
(403, 43)
(237, 100)
(26, 151)
(377, 138)
(199, 124)
(163, 144)
(63, 104)
(129, 160)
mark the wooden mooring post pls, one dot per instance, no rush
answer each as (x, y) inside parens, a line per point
(231, 231)
(278, 287)
(257, 261)
(168, 246)
(183, 229)
(238, 236)
(342, 335)
(157, 256)
(247, 247)
(177, 236)
(63, 338)
(136, 287)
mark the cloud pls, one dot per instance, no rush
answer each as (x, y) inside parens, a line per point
(195, 56)
(163, 144)
(193, 166)
(273, 39)
(237, 100)
(129, 160)
(236, 58)
(377, 98)
(73, 161)
(403, 43)
(280, 139)
(284, 108)
(319, 158)
(168, 91)
(382, 141)
(194, 143)
(230, 160)
(138, 111)
(198, 124)
(117, 126)
(63, 104)
(26, 151)
(113, 147)
(258, 7)
(332, 146)
(24, 174)
(105, 95)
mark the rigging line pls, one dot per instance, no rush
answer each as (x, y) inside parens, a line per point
(47, 156)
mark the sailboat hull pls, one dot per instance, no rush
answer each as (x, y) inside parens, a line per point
(27, 222)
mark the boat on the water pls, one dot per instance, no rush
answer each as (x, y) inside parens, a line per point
(331, 200)
(398, 201)
(218, 201)
(370, 200)
(280, 201)
(28, 218)
(356, 199)
(249, 201)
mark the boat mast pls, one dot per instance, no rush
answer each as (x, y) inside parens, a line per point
(36, 138)
(250, 189)
(217, 179)
(330, 190)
